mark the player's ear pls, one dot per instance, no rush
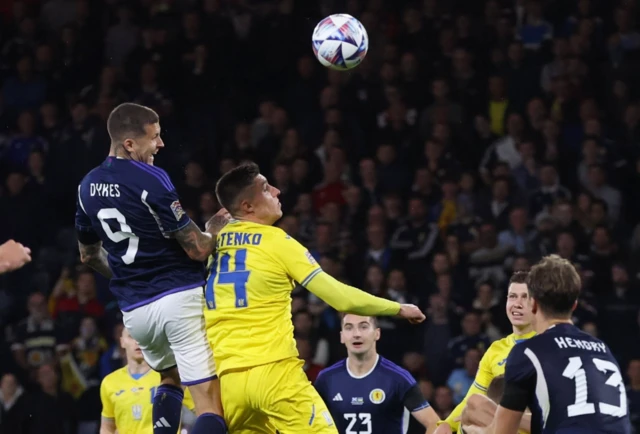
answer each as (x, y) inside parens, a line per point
(377, 333)
(128, 145)
(341, 338)
(534, 306)
(575, 305)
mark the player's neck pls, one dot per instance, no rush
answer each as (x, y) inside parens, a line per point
(136, 368)
(119, 152)
(524, 330)
(250, 218)
(360, 365)
(544, 324)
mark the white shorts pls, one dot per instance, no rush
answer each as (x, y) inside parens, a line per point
(171, 332)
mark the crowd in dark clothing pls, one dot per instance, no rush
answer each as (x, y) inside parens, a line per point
(475, 138)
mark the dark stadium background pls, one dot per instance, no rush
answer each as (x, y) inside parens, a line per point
(476, 137)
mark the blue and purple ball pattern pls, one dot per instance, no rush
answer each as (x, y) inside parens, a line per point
(340, 42)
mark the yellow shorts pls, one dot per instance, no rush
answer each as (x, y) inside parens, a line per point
(275, 396)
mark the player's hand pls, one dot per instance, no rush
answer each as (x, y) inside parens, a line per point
(411, 313)
(13, 255)
(218, 221)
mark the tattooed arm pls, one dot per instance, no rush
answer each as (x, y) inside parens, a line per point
(199, 245)
(95, 257)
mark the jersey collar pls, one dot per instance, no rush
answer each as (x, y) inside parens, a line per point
(521, 338)
(359, 377)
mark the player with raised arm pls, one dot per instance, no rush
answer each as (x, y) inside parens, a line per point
(132, 229)
(248, 313)
(569, 379)
(366, 393)
(127, 394)
(493, 362)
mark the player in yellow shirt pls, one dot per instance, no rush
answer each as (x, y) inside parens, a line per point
(493, 362)
(127, 394)
(248, 314)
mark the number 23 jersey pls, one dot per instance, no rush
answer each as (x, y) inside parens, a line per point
(570, 381)
(133, 208)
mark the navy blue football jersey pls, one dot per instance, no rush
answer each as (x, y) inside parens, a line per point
(376, 403)
(133, 208)
(570, 381)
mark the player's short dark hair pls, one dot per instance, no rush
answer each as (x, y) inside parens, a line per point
(372, 319)
(555, 285)
(519, 277)
(128, 121)
(233, 183)
(496, 389)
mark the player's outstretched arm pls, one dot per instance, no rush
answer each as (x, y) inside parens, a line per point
(107, 426)
(345, 298)
(197, 244)
(13, 255)
(95, 257)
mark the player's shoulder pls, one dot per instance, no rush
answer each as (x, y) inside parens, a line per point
(396, 372)
(335, 369)
(115, 379)
(149, 175)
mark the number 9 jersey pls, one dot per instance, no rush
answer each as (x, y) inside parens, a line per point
(133, 208)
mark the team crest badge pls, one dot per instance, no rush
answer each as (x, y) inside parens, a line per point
(377, 396)
(178, 212)
(136, 412)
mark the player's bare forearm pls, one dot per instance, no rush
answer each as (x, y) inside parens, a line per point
(108, 426)
(525, 422)
(428, 418)
(95, 257)
(197, 244)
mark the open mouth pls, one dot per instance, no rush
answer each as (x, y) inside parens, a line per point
(357, 344)
(516, 314)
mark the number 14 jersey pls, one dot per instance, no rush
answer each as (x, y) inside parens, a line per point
(572, 382)
(133, 208)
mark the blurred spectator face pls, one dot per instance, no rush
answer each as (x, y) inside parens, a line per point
(226, 164)
(375, 276)
(388, 72)
(148, 74)
(392, 206)
(426, 387)
(488, 236)
(397, 280)
(242, 135)
(527, 150)
(332, 172)
(412, 18)
(620, 276)
(443, 398)
(417, 210)
(8, 386)
(601, 238)
(377, 216)
(518, 220)
(536, 110)
(597, 213)
(518, 308)
(563, 213)
(422, 179)
(409, 65)
(588, 110)
(596, 176)
(305, 67)
(290, 225)
(496, 88)
(331, 267)
(281, 175)
(440, 89)
(438, 304)
(298, 304)
(323, 235)
(207, 203)
(592, 127)
(485, 294)
(302, 323)
(467, 183)
(279, 120)
(44, 55)
(88, 328)
(590, 329)
(331, 139)
(304, 349)
(304, 204)
(47, 377)
(352, 196)
(632, 115)
(501, 170)
(550, 130)
(481, 125)
(331, 213)
(86, 285)
(194, 172)
(290, 142)
(413, 362)
(500, 190)
(515, 52)
(521, 264)
(376, 237)
(584, 203)
(534, 10)
(299, 170)
(26, 123)
(15, 183)
(566, 245)
(515, 125)
(461, 60)
(445, 285)
(472, 361)
(79, 113)
(36, 163)
(37, 306)
(442, 132)
(560, 48)
(335, 78)
(131, 347)
(633, 371)
(386, 154)
(471, 324)
(548, 176)
(49, 112)
(24, 66)
(367, 170)
(449, 190)
(440, 264)
(328, 97)
(359, 334)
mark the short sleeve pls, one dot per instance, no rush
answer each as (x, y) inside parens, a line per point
(414, 400)
(164, 204)
(107, 405)
(484, 376)
(298, 262)
(519, 378)
(83, 222)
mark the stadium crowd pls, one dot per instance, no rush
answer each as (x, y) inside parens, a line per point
(476, 137)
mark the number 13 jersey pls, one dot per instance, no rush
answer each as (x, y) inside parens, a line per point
(133, 208)
(248, 294)
(570, 381)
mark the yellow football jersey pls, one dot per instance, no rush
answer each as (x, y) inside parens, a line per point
(491, 366)
(129, 401)
(248, 294)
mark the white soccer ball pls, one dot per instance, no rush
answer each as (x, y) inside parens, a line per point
(340, 42)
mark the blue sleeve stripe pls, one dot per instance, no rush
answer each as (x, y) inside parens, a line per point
(313, 414)
(164, 180)
(398, 370)
(423, 406)
(310, 277)
(484, 389)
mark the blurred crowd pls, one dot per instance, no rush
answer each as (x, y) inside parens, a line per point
(476, 137)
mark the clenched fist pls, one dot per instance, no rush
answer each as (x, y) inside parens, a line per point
(13, 255)
(411, 313)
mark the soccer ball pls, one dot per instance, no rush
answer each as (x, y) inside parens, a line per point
(340, 42)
